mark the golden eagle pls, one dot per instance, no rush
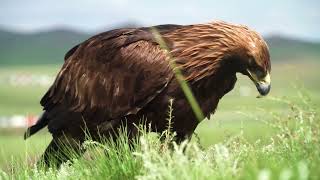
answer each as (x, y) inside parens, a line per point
(118, 77)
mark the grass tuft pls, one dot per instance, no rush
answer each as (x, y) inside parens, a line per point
(292, 152)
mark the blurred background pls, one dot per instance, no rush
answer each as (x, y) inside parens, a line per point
(35, 35)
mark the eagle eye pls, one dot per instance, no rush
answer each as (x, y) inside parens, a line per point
(254, 67)
(259, 73)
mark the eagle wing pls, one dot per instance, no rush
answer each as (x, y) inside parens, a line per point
(114, 73)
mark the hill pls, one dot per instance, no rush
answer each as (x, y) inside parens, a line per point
(49, 47)
(38, 48)
(288, 49)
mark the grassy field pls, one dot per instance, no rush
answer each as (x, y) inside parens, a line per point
(247, 138)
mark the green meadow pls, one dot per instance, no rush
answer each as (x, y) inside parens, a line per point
(233, 143)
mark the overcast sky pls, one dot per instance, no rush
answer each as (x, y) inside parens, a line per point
(297, 18)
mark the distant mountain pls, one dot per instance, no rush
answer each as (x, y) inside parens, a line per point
(49, 47)
(37, 48)
(288, 49)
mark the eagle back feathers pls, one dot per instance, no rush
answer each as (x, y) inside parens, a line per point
(117, 73)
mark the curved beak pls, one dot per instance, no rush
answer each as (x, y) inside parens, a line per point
(263, 84)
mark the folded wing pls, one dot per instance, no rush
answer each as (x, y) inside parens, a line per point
(115, 74)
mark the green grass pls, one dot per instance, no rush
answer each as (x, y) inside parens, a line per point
(292, 151)
(15, 148)
(22, 99)
(241, 128)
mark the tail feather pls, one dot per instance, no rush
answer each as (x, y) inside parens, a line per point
(41, 123)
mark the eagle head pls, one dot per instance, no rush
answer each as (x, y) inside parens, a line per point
(249, 53)
(255, 60)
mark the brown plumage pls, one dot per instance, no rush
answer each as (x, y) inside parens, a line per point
(120, 76)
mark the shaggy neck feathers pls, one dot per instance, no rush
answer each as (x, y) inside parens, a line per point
(201, 50)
